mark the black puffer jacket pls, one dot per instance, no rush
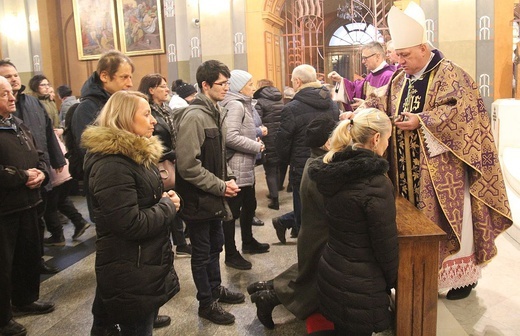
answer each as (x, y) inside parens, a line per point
(134, 263)
(307, 104)
(359, 263)
(269, 105)
(88, 110)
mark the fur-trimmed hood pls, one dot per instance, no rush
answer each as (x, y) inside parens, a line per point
(110, 141)
(347, 167)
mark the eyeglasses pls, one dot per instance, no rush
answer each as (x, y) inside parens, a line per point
(162, 86)
(227, 83)
(364, 58)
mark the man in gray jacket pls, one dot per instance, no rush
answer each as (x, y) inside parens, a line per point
(204, 180)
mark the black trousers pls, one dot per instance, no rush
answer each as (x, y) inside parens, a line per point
(19, 261)
(177, 229)
(242, 206)
(58, 199)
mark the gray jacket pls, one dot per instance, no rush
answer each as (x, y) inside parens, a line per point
(241, 137)
(201, 169)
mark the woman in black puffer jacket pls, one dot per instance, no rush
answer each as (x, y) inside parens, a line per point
(134, 262)
(359, 263)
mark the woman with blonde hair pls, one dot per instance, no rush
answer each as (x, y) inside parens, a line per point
(132, 213)
(358, 267)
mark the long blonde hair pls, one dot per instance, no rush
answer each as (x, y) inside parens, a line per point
(358, 131)
(120, 109)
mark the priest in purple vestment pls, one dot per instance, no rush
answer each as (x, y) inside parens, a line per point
(373, 57)
(443, 156)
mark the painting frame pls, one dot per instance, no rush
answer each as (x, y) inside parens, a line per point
(95, 34)
(140, 26)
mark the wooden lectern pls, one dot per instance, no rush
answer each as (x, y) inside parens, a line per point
(417, 281)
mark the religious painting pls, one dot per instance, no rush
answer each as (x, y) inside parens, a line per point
(95, 24)
(140, 27)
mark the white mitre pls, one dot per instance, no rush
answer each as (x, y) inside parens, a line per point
(408, 27)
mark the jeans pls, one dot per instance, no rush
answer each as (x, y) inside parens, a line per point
(272, 177)
(206, 239)
(142, 327)
(19, 261)
(242, 206)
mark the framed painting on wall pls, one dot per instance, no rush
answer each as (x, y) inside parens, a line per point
(140, 27)
(95, 23)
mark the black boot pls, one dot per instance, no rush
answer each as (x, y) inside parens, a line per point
(460, 293)
(260, 285)
(13, 328)
(265, 301)
(254, 247)
(45, 268)
(161, 321)
(273, 204)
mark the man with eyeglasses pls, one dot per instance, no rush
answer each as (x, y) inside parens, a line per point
(380, 73)
(204, 180)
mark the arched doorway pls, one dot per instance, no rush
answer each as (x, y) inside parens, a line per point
(344, 47)
(329, 34)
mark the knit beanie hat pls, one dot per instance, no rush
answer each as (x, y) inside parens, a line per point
(185, 90)
(238, 80)
(319, 130)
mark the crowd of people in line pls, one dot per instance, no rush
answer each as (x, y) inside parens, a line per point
(401, 131)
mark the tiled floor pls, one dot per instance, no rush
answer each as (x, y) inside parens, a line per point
(492, 309)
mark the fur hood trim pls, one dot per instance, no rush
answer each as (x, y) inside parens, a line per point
(110, 141)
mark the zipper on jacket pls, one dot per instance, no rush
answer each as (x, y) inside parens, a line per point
(23, 139)
(139, 257)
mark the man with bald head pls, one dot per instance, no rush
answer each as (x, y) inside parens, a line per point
(443, 156)
(22, 173)
(311, 100)
(391, 56)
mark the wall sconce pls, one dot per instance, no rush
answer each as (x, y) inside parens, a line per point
(196, 22)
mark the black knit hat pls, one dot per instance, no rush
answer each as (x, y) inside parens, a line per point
(185, 90)
(319, 130)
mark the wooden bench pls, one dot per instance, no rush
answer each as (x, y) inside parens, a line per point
(417, 281)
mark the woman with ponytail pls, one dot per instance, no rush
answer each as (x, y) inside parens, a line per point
(358, 267)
